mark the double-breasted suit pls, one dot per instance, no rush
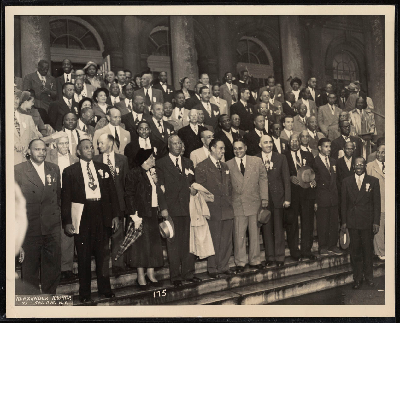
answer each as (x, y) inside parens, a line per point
(131, 123)
(328, 121)
(176, 184)
(156, 96)
(95, 223)
(218, 182)
(156, 135)
(361, 209)
(227, 94)
(299, 124)
(221, 135)
(44, 95)
(209, 119)
(42, 241)
(278, 192)
(327, 200)
(124, 138)
(339, 143)
(375, 170)
(248, 192)
(246, 114)
(167, 91)
(252, 140)
(302, 203)
(57, 110)
(190, 139)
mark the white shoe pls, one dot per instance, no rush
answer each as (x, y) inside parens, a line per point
(381, 258)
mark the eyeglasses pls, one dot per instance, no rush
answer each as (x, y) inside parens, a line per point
(359, 165)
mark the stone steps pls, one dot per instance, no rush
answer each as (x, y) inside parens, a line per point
(252, 287)
(128, 277)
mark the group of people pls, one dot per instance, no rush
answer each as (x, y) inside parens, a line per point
(91, 155)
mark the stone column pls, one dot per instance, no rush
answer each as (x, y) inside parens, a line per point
(224, 47)
(35, 42)
(374, 41)
(317, 63)
(184, 57)
(17, 46)
(131, 50)
(291, 49)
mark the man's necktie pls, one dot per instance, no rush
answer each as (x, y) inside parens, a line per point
(333, 110)
(67, 79)
(209, 109)
(160, 128)
(137, 119)
(110, 166)
(327, 164)
(84, 128)
(233, 95)
(91, 184)
(359, 183)
(147, 96)
(383, 166)
(242, 169)
(177, 165)
(130, 105)
(298, 163)
(117, 142)
(69, 104)
(267, 163)
(17, 126)
(219, 166)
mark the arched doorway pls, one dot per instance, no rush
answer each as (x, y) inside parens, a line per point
(255, 57)
(75, 39)
(345, 69)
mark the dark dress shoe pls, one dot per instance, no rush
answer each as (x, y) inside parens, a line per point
(239, 269)
(85, 299)
(310, 256)
(258, 266)
(369, 283)
(280, 264)
(269, 263)
(142, 287)
(296, 257)
(228, 272)
(213, 275)
(356, 285)
(177, 284)
(195, 279)
(109, 295)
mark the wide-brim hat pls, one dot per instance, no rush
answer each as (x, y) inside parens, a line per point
(305, 175)
(89, 64)
(352, 87)
(263, 216)
(344, 239)
(167, 229)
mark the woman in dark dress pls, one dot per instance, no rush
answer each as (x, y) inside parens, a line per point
(185, 85)
(143, 195)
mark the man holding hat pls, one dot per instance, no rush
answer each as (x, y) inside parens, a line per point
(302, 201)
(214, 175)
(279, 199)
(361, 212)
(119, 167)
(176, 175)
(326, 202)
(250, 193)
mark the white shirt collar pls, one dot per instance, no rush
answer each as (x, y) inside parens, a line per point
(243, 102)
(311, 133)
(259, 132)
(144, 143)
(361, 177)
(266, 156)
(304, 148)
(67, 101)
(346, 138)
(40, 170)
(195, 128)
(211, 157)
(41, 77)
(238, 161)
(112, 157)
(112, 129)
(173, 159)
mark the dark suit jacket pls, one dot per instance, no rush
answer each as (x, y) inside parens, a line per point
(176, 184)
(190, 139)
(341, 104)
(59, 83)
(192, 101)
(42, 201)
(279, 189)
(133, 147)
(220, 185)
(252, 141)
(57, 110)
(228, 145)
(209, 120)
(168, 130)
(361, 208)
(246, 117)
(327, 194)
(284, 146)
(121, 170)
(156, 96)
(73, 191)
(42, 99)
(343, 172)
(296, 190)
(338, 144)
(317, 95)
(167, 95)
(287, 110)
(130, 124)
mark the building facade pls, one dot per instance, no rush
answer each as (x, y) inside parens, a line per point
(336, 49)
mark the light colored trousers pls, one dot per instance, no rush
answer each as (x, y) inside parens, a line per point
(240, 226)
(379, 238)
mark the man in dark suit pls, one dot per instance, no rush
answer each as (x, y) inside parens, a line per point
(339, 143)
(191, 102)
(345, 168)
(149, 94)
(190, 134)
(43, 84)
(114, 98)
(312, 85)
(280, 145)
(226, 134)
(210, 111)
(137, 114)
(342, 99)
(302, 203)
(126, 104)
(118, 165)
(84, 122)
(63, 158)
(65, 77)
(244, 109)
(324, 94)
(326, 201)
(176, 175)
(288, 107)
(279, 198)
(59, 108)
(235, 120)
(361, 211)
(91, 185)
(167, 90)
(214, 176)
(252, 138)
(40, 184)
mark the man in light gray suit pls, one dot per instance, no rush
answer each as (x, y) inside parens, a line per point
(250, 193)
(328, 118)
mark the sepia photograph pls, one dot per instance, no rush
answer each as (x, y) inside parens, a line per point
(183, 161)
